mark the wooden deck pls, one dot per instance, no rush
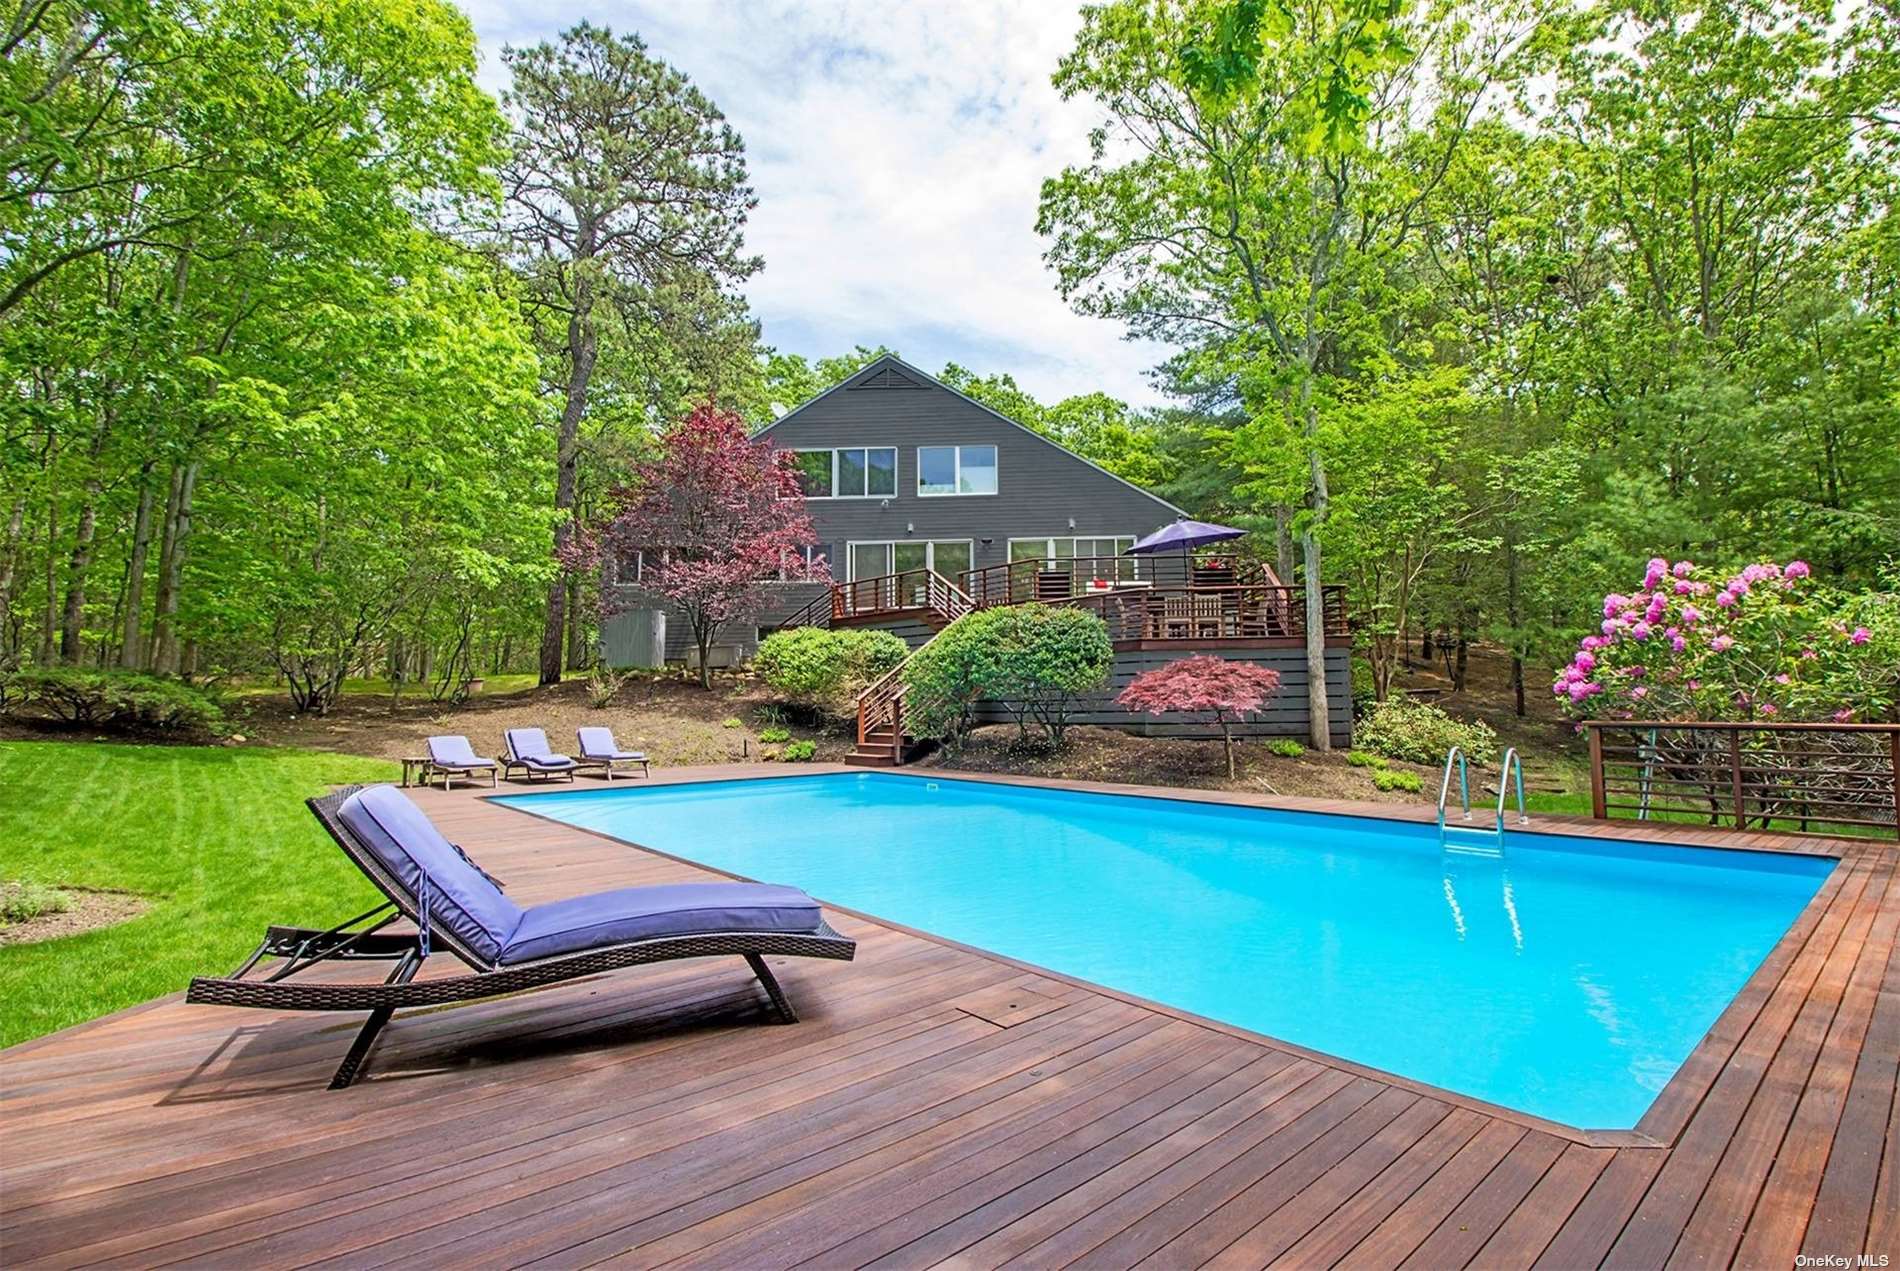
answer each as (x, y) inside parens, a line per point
(935, 1104)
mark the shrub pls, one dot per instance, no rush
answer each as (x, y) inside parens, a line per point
(804, 666)
(1396, 779)
(1763, 642)
(603, 685)
(774, 735)
(23, 902)
(1286, 748)
(117, 700)
(1229, 691)
(869, 655)
(1418, 732)
(732, 722)
(1051, 655)
(798, 752)
(1364, 693)
(951, 674)
(1365, 759)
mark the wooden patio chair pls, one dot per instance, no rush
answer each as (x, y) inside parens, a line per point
(457, 906)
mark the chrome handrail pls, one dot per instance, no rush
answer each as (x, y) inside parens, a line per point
(1464, 785)
(1513, 762)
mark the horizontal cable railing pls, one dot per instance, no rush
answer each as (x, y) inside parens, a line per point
(1193, 613)
(1819, 778)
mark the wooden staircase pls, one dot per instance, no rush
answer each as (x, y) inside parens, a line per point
(882, 739)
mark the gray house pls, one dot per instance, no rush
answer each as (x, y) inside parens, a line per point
(926, 502)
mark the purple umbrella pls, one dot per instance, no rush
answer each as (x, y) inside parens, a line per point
(1185, 535)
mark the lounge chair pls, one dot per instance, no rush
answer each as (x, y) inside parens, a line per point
(452, 757)
(528, 750)
(600, 750)
(456, 906)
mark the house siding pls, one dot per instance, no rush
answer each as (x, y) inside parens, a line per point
(1040, 486)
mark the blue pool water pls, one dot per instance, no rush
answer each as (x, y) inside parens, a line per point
(1568, 979)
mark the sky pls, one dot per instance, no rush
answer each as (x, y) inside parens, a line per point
(897, 148)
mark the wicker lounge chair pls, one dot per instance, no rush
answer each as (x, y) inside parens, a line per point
(458, 907)
(528, 750)
(452, 757)
(600, 750)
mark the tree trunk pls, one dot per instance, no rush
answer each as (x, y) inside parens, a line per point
(1319, 716)
(132, 645)
(171, 569)
(579, 656)
(1517, 636)
(9, 568)
(582, 348)
(49, 611)
(73, 616)
(1283, 543)
(1462, 663)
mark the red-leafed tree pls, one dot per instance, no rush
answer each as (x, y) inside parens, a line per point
(712, 515)
(1229, 691)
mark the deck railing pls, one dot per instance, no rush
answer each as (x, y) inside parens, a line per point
(1810, 778)
(892, 593)
(1195, 613)
(1066, 577)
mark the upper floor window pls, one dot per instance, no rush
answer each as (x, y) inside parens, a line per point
(956, 470)
(859, 472)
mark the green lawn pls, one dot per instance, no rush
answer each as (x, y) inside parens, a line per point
(217, 839)
(492, 686)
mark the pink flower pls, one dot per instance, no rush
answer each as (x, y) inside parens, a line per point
(1843, 715)
(1609, 626)
(1725, 598)
(1784, 678)
(1639, 692)
(1658, 567)
(1722, 644)
(1613, 602)
(1657, 608)
(1796, 569)
(1808, 655)
(1695, 686)
(1738, 585)
(1585, 662)
(1685, 588)
(1767, 708)
(1861, 636)
(1677, 643)
(1637, 672)
(1691, 615)
(1682, 569)
(1640, 631)
(1593, 642)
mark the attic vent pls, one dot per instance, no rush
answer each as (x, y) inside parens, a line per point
(889, 377)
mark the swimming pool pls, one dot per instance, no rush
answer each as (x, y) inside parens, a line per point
(1565, 977)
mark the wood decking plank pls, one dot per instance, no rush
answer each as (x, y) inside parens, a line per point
(648, 1117)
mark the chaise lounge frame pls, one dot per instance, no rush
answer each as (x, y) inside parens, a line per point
(362, 939)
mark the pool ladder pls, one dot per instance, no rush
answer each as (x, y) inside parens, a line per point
(1513, 766)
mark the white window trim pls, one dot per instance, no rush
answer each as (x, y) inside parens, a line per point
(957, 479)
(897, 480)
(1009, 548)
(851, 555)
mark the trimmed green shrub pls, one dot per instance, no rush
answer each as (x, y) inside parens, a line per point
(1418, 732)
(121, 701)
(869, 655)
(772, 736)
(798, 752)
(951, 674)
(1286, 748)
(804, 665)
(1036, 659)
(1364, 759)
(1397, 779)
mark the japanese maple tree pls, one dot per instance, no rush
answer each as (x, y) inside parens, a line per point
(1229, 691)
(714, 515)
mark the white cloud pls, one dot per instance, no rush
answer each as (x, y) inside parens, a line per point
(897, 150)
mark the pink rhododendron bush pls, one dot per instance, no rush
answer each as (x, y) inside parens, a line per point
(1765, 642)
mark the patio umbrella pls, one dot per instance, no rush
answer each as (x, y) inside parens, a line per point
(1186, 535)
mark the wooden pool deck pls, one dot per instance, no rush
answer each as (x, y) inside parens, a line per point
(935, 1105)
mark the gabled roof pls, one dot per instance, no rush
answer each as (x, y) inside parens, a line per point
(890, 369)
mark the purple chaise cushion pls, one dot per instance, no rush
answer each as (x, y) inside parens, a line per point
(455, 752)
(530, 746)
(599, 743)
(671, 909)
(461, 898)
